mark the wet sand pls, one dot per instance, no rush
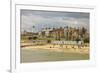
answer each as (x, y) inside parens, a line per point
(43, 55)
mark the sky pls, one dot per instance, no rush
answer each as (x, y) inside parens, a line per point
(52, 19)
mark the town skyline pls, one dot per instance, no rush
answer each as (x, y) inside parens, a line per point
(35, 20)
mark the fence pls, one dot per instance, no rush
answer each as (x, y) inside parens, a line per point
(67, 42)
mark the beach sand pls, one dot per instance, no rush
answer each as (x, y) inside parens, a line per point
(48, 52)
(58, 48)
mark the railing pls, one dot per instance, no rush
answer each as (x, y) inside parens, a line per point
(67, 42)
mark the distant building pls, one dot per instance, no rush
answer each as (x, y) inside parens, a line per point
(58, 33)
(26, 35)
(66, 33)
(45, 32)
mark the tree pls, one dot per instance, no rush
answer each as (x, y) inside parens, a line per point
(86, 40)
(84, 30)
(34, 37)
(33, 27)
(48, 41)
(77, 40)
(30, 38)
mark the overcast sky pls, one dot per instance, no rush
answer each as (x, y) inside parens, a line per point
(52, 19)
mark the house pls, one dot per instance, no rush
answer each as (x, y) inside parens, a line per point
(28, 35)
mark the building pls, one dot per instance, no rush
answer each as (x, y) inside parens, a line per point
(45, 32)
(28, 35)
(66, 33)
(58, 33)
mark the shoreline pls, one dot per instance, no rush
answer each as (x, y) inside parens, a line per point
(58, 48)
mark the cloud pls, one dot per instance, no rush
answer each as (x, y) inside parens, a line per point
(43, 19)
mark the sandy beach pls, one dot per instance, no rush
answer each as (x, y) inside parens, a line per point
(50, 52)
(58, 48)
